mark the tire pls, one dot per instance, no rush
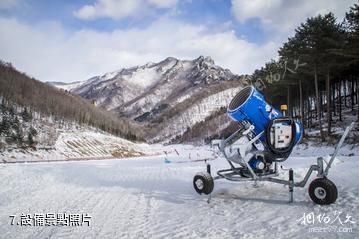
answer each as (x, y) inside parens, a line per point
(322, 191)
(203, 183)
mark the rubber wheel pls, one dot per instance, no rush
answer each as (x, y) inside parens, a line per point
(322, 191)
(203, 183)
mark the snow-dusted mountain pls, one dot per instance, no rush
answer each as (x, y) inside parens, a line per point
(139, 89)
(168, 97)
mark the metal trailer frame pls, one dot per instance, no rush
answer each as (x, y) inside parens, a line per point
(235, 174)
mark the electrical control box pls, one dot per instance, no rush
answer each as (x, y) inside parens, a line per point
(281, 135)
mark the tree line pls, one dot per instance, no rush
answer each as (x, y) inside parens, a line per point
(317, 71)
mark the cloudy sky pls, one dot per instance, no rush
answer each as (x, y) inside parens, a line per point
(72, 40)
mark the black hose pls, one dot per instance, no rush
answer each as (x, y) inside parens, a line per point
(284, 152)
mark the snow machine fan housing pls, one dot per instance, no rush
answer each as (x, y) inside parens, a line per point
(281, 133)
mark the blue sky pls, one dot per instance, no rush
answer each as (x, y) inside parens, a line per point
(209, 12)
(74, 40)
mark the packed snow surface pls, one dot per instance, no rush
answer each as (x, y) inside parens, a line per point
(153, 197)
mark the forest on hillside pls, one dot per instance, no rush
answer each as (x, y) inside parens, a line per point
(317, 73)
(20, 93)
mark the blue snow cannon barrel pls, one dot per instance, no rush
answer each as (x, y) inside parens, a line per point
(250, 105)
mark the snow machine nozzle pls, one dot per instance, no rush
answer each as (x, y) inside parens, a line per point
(280, 133)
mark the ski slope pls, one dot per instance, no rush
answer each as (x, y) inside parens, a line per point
(153, 197)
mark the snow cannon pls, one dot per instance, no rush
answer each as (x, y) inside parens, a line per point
(280, 133)
(265, 138)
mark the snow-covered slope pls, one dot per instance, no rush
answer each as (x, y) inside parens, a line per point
(66, 86)
(77, 144)
(151, 197)
(195, 113)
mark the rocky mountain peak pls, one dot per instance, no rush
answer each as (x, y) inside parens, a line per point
(205, 60)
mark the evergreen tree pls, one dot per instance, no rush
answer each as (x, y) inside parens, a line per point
(5, 126)
(31, 134)
(351, 25)
(26, 115)
(3, 106)
(19, 136)
(15, 123)
(33, 131)
(11, 111)
(30, 138)
(316, 42)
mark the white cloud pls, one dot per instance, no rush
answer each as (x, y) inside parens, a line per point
(163, 3)
(6, 4)
(51, 53)
(286, 15)
(118, 9)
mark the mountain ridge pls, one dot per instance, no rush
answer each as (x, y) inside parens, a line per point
(160, 94)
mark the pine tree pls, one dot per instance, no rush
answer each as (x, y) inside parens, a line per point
(33, 131)
(3, 106)
(26, 115)
(15, 123)
(30, 139)
(316, 42)
(19, 135)
(5, 126)
(31, 134)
